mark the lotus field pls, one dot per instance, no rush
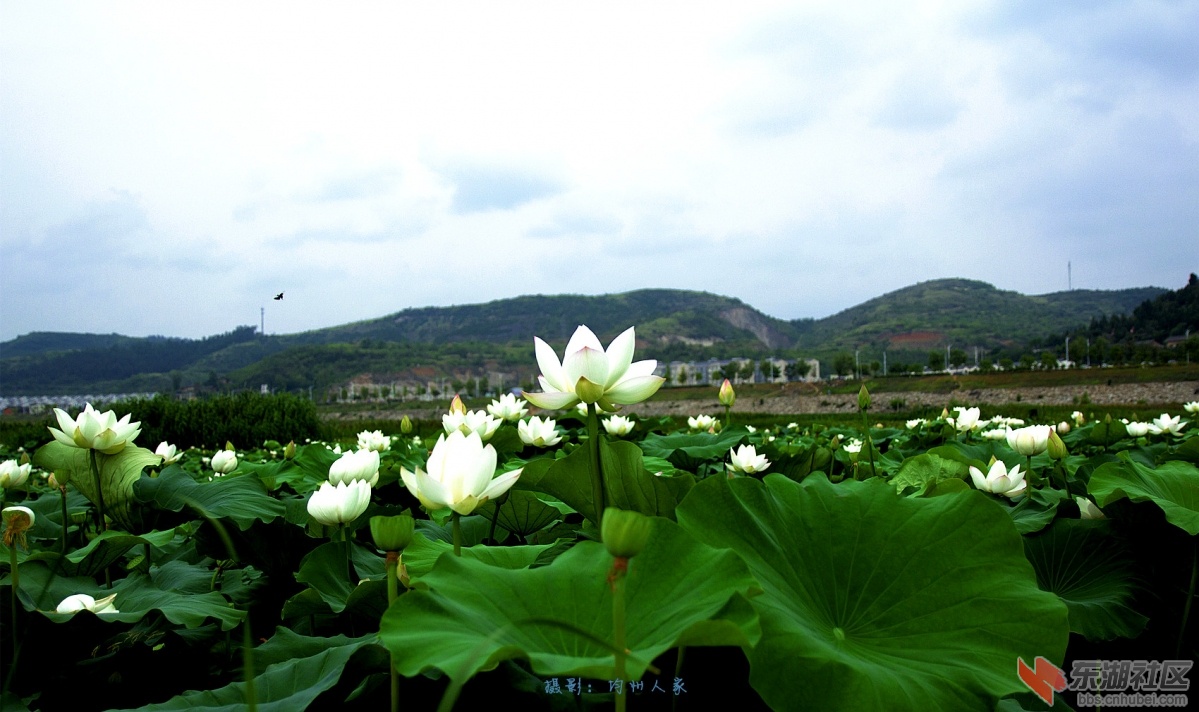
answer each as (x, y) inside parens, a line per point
(550, 552)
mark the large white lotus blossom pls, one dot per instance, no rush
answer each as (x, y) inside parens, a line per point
(374, 440)
(999, 480)
(538, 432)
(167, 452)
(475, 421)
(331, 505)
(356, 465)
(13, 474)
(591, 374)
(747, 460)
(459, 476)
(95, 431)
(224, 461)
(1136, 430)
(1030, 440)
(84, 602)
(703, 422)
(618, 425)
(966, 419)
(1164, 424)
(508, 407)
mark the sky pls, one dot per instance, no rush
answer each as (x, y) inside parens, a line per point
(167, 168)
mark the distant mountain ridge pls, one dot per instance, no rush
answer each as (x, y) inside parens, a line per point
(452, 341)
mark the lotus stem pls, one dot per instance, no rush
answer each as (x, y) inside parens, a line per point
(728, 416)
(618, 632)
(1186, 609)
(457, 525)
(597, 474)
(103, 518)
(495, 515)
(247, 661)
(16, 586)
(678, 668)
(62, 490)
(345, 541)
(393, 565)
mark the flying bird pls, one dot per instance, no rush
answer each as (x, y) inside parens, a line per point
(279, 296)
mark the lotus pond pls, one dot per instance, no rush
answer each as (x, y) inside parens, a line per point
(828, 567)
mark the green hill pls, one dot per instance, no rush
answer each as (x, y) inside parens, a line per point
(473, 340)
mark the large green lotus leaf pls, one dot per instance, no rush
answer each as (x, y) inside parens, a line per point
(521, 512)
(101, 552)
(137, 596)
(555, 616)
(925, 471)
(326, 570)
(628, 485)
(304, 473)
(689, 450)
(422, 553)
(1173, 486)
(242, 498)
(1034, 512)
(118, 473)
(1091, 571)
(301, 669)
(879, 602)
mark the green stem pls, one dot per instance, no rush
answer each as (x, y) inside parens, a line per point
(247, 661)
(1186, 609)
(103, 521)
(65, 521)
(393, 573)
(678, 669)
(618, 632)
(728, 416)
(457, 533)
(495, 515)
(597, 474)
(16, 586)
(345, 540)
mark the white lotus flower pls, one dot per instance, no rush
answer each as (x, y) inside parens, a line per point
(508, 407)
(1164, 424)
(916, 423)
(538, 432)
(1135, 429)
(1030, 440)
(995, 434)
(618, 425)
(1078, 417)
(224, 461)
(999, 480)
(84, 602)
(13, 474)
(966, 419)
(1087, 509)
(167, 452)
(747, 460)
(355, 465)
(1063, 427)
(852, 446)
(95, 431)
(459, 476)
(475, 421)
(1192, 407)
(591, 374)
(374, 440)
(331, 505)
(703, 422)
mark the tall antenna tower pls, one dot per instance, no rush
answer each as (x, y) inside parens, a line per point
(262, 321)
(1069, 278)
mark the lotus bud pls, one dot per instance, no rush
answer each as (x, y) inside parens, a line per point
(863, 398)
(944, 413)
(625, 532)
(1087, 509)
(289, 452)
(52, 481)
(1056, 448)
(392, 533)
(229, 446)
(24, 458)
(406, 425)
(1063, 428)
(457, 406)
(726, 395)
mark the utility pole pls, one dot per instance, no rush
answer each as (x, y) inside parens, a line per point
(947, 358)
(857, 368)
(884, 362)
(262, 321)
(1069, 287)
(1088, 353)
(1067, 351)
